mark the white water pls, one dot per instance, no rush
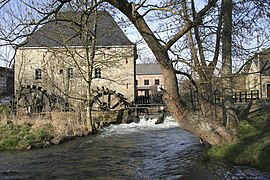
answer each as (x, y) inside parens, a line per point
(143, 125)
(133, 151)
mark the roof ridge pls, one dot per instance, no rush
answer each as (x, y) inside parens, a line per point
(57, 33)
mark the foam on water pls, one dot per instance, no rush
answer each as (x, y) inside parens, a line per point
(144, 124)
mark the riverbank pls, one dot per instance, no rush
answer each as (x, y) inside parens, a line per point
(253, 146)
(24, 132)
(40, 130)
(44, 130)
(127, 151)
(20, 137)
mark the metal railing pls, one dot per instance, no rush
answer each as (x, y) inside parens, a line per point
(149, 99)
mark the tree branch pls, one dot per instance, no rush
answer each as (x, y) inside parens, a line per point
(189, 25)
(188, 76)
(218, 38)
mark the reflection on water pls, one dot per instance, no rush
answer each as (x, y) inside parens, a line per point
(126, 151)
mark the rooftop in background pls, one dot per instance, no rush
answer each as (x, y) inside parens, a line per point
(260, 60)
(264, 60)
(147, 69)
(63, 30)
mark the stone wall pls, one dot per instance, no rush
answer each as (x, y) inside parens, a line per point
(117, 70)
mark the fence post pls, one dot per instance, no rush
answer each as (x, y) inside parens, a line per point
(215, 97)
(136, 111)
(240, 96)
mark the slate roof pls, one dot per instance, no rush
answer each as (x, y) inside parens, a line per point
(148, 69)
(63, 30)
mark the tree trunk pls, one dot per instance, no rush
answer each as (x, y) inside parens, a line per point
(229, 117)
(89, 58)
(89, 123)
(208, 128)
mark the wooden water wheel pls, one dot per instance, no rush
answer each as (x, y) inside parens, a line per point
(58, 103)
(104, 99)
(32, 99)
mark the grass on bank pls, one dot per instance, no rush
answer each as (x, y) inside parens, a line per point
(253, 145)
(40, 130)
(19, 137)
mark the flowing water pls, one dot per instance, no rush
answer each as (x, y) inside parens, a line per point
(128, 151)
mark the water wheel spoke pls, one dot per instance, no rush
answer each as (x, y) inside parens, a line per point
(109, 100)
(102, 100)
(33, 99)
(112, 100)
(99, 102)
(26, 101)
(106, 99)
(115, 105)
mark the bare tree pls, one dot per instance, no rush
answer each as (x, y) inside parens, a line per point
(205, 128)
(162, 40)
(229, 118)
(209, 126)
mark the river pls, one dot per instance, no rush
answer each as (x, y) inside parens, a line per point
(128, 151)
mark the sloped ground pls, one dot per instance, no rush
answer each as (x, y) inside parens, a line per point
(253, 146)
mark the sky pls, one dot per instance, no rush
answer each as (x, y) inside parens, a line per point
(144, 52)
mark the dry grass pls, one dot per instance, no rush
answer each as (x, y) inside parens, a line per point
(61, 125)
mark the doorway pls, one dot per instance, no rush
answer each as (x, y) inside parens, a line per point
(268, 90)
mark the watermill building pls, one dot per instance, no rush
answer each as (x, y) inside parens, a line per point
(54, 58)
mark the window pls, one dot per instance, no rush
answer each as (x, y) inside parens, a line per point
(157, 82)
(267, 90)
(69, 73)
(97, 73)
(38, 74)
(146, 82)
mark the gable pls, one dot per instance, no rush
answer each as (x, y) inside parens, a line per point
(263, 61)
(64, 30)
(265, 66)
(259, 63)
(253, 67)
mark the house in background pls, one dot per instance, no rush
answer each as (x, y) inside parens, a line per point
(54, 58)
(258, 73)
(6, 81)
(149, 79)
